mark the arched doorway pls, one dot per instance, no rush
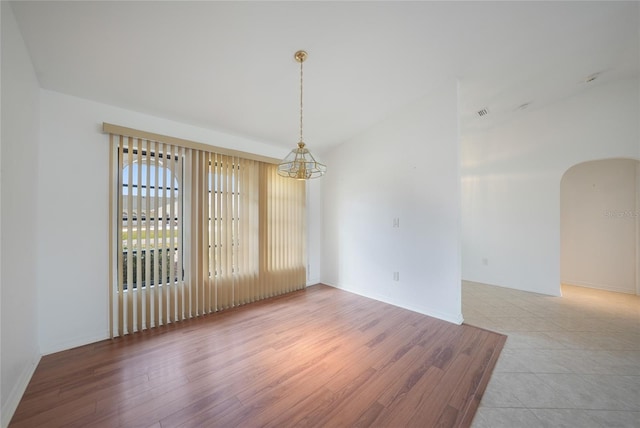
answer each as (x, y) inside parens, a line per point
(600, 225)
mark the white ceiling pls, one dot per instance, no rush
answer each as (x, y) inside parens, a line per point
(229, 65)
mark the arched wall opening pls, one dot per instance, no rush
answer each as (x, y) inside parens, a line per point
(600, 225)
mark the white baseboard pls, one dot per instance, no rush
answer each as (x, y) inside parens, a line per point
(604, 287)
(313, 281)
(11, 404)
(50, 348)
(456, 319)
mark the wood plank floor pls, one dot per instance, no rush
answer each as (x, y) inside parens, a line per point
(317, 357)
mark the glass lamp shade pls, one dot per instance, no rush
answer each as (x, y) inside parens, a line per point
(301, 165)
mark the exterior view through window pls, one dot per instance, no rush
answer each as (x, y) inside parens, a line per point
(150, 227)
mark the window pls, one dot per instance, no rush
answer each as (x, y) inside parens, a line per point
(195, 231)
(150, 241)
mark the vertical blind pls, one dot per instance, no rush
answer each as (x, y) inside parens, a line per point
(195, 232)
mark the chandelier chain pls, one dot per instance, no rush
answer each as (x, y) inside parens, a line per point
(301, 93)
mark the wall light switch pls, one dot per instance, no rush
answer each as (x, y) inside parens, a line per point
(396, 222)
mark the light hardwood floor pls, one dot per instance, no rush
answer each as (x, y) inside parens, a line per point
(317, 357)
(571, 361)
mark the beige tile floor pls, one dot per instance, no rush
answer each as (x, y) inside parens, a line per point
(571, 361)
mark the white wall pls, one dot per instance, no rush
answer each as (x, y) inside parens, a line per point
(598, 225)
(72, 223)
(511, 182)
(314, 228)
(19, 338)
(406, 167)
(638, 222)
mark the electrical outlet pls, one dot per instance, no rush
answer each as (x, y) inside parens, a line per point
(396, 276)
(485, 261)
(396, 222)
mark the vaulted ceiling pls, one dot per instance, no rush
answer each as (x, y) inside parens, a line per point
(229, 65)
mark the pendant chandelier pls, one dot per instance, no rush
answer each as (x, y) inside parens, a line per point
(300, 163)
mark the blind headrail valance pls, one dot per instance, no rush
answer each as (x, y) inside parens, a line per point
(109, 128)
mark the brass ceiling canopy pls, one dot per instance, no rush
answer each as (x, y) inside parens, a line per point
(300, 56)
(300, 163)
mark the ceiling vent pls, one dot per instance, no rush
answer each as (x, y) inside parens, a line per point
(483, 112)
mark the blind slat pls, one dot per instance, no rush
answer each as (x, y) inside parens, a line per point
(129, 285)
